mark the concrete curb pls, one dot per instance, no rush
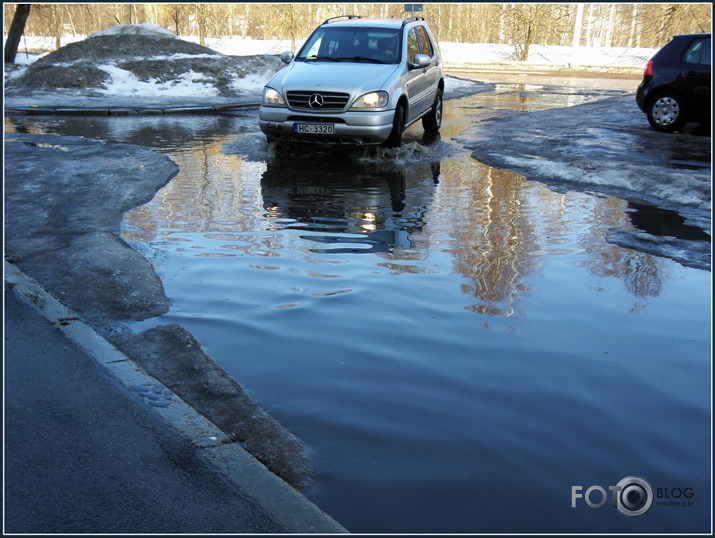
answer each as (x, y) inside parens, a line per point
(285, 504)
(44, 110)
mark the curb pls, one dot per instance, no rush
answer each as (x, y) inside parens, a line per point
(281, 501)
(37, 110)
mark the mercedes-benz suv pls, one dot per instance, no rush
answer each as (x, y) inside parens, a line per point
(356, 81)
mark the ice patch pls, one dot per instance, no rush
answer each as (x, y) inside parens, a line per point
(689, 253)
(457, 87)
(676, 186)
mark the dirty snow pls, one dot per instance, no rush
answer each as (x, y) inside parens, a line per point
(143, 28)
(139, 59)
(188, 84)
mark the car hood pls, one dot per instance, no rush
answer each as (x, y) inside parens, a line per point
(348, 77)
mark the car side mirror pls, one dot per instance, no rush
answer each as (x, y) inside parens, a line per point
(287, 56)
(421, 61)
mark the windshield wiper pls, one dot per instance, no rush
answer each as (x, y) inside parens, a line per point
(323, 58)
(363, 59)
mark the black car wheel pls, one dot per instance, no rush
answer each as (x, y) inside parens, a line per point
(433, 121)
(666, 112)
(398, 126)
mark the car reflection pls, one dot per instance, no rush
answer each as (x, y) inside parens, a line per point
(347, 205)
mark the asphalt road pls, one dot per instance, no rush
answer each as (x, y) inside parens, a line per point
(84, 455)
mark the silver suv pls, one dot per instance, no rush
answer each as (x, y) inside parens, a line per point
(356, 81)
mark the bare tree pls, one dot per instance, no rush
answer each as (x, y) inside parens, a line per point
(518, 24)
(178, 14)
(528, 24)
(16, 30)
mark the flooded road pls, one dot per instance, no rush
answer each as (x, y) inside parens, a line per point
(456, 345)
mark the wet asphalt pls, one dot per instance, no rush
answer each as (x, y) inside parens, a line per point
(84, 455)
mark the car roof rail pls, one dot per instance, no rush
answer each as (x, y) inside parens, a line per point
(412, 19)
(342, 17)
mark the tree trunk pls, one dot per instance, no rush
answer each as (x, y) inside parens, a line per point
(17, 27)
(576, 43)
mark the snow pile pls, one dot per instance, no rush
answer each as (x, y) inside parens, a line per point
(144, 60)
(144, 28)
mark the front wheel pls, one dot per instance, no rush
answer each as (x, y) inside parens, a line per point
(433, 120)
(398, 126)
(666, 112)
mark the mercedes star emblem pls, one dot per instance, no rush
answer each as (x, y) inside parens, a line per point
(315, 101)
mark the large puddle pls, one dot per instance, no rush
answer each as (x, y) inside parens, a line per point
(457, 346)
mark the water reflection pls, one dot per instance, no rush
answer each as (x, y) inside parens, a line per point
(495, 243)
(663, 222)
(496, 227)
(351, 206)
(172, 133)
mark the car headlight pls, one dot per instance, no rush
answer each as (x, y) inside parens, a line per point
(372, 100)
(272, 97)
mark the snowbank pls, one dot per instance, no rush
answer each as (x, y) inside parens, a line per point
(141, 60)
(474, 54)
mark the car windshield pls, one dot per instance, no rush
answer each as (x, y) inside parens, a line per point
(372, 45)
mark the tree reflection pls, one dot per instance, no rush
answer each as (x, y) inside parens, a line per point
(492, 239)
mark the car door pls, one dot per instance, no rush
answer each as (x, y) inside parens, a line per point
(695, 73)
(421, 83)
(433, 70)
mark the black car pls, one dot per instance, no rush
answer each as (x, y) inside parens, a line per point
(676, 83)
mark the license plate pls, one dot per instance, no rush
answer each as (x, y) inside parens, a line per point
(314, 128)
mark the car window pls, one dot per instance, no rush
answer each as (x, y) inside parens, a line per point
(698, 52)
(413, 47)
(425, 45)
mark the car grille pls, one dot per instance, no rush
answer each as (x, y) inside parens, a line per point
(312, 100)
(316, 119)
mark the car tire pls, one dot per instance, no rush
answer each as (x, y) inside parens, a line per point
(398, 127)
(433, 120)
(666, 112)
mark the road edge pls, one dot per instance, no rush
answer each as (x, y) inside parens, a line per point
(281, 501)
